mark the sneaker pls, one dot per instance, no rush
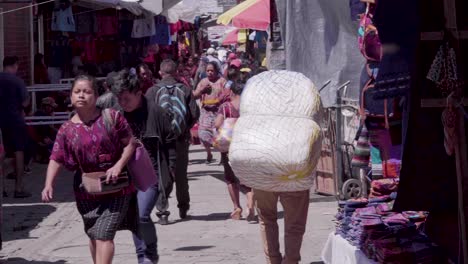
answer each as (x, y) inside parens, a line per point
(163, 220)
(183, 213)
(22, 194)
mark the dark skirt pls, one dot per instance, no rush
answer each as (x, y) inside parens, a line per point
(229, 176)
(104, 217)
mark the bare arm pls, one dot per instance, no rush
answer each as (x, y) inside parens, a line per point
(201, 89)
(52, 171)
(127, 151)
(219, 121)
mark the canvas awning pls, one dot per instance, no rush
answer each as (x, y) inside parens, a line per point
(250, 14)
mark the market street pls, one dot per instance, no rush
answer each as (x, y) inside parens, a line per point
(53, 233)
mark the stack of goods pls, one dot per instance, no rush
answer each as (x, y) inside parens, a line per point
(383, 188)
(275, 148)
(382, 235)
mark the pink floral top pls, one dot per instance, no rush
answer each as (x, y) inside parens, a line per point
(90, 148)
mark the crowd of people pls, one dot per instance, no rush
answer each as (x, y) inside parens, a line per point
(108, 121)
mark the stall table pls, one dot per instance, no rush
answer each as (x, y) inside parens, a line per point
(338, 250)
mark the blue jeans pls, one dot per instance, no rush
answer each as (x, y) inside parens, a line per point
(147, 243)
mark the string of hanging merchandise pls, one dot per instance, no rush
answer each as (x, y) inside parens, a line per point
(80, 13)
(24, 7)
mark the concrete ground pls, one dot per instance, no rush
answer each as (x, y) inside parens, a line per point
(37, 233)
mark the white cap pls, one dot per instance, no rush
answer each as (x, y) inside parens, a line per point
(211, 51)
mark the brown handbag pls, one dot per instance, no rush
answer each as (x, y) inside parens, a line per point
(95, 182)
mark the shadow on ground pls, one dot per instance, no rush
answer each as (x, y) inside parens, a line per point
(25, 261)
(20, 220)
(211, 217)
(194, 248)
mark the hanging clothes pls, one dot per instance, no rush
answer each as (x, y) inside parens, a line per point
(62, 20)
(107, 24)
(86, 23)
(162, 36)
(144, 27)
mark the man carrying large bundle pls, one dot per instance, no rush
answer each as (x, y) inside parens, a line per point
(275, 149)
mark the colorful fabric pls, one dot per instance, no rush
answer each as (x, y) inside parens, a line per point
(210, 107)
(91, 149)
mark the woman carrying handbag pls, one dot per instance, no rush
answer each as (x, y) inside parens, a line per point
(100, 144)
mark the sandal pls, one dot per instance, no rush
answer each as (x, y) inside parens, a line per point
(251, 217)
(236, 214)
(209, 159)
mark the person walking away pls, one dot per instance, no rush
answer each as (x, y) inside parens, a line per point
(95, 141)
(169, 88)
(151, 125)
(13, 98)
(231, 110)
(212, 94)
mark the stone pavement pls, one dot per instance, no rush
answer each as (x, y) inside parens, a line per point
(37, 233)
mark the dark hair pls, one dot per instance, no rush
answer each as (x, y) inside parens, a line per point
(233, 73)
(88, 78)
(142, 66)
(126, 80)
(237, 88)
(260, 70)
(10, 61)
(38, 59)
(168, 67)
(215, 66)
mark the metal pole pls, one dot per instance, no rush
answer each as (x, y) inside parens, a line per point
(338, 140)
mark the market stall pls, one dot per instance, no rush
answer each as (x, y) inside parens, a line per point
(413, 143)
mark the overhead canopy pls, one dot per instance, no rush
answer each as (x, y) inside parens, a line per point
(133, 7)
(250, 14)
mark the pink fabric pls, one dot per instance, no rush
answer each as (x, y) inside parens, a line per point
(231, 37)
(142, 170)
(255, 17)
(108, 25)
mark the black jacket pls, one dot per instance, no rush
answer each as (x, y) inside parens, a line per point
(193, 112)
(151, 124)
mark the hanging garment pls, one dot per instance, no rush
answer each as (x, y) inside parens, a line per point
(86, 23)
(107, 25)
(144, 27)
(62, 20)
(162, 36)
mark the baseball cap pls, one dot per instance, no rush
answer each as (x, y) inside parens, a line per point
(236, 63)
(49, 101)
(210, 51)
(232, 56)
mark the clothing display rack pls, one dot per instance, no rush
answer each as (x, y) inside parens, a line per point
(455, 99)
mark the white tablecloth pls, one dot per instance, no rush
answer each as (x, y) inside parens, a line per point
(339, 251)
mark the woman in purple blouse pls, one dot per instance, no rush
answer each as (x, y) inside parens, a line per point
(85, 144)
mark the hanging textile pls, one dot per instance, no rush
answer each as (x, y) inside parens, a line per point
(144, 27)
(62, 20)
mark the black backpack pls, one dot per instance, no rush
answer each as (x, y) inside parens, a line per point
(172, 99)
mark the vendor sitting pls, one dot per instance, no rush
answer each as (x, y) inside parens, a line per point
(45, 134)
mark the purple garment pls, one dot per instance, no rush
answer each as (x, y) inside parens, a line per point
(91, 148)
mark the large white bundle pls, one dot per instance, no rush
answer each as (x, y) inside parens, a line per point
(277, 140)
